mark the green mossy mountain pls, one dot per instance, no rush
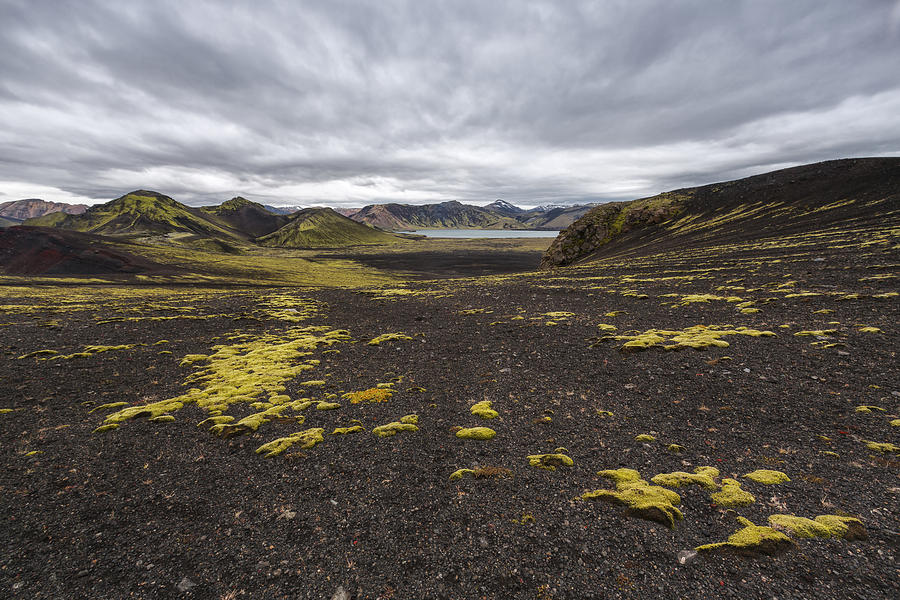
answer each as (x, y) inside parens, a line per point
(141, 212)
(785, 202)
(323, 228)
(4, 222)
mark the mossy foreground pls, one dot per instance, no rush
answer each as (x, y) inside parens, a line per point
(274, 450)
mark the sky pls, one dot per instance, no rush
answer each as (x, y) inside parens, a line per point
(349, 102)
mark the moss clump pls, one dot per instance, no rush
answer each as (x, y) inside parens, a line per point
(481, 473)
(217, 420)
(732, 495)
(460, 473)
(476, 433)
(107, 427)
(702, 476)
(162, 419)
(697, 337)
(767, 476)
(675, 448)
(388, 337)
(346, 430)
(603, 414)
(830, 453)
(824, 526)
(884, 448)
(327, 406)
(550, 461)
(752, 540)
(650, 502)
(644, 437)
(108, 406)
(895, 423)
(869, 330)
(483, 410)
(749, 311)
(372, 395)
(817, 332)
(305, 439)
(407, 423)
(868, 408)
(606, 327)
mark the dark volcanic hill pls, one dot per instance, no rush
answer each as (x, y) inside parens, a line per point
(20, 210)
(45, 251)
(452, 215)
(323, 228)
(142, 212)
(504, 208)
(250, 217)
(791, 201)
(4, 222)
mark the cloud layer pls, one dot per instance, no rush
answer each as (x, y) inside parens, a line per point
(346, 102)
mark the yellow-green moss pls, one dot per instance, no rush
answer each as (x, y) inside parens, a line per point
(869, 330)
(313, 383)
(644, 437)
(108, 406)
(388, 337)
(767, 476)
(346, 430)
(749, 311)
(867, 408)
(305, 439)
(476, 433)
(603, 414)
(752, 539)
(697, 337)
(831, 454)
(676, 448)
(410, 420)
(107, 427)
(217, 420)
(824, 526)
(162, 419)
(732, 495)
(884, 448)
(484, 410)
(650, 502)
(550, 461)
(391, 429)
(702, 476)
(460, 473)
(895, 423)
(606, 327)
(817, 332)
(327, 406)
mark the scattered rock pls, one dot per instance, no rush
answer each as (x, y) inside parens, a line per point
(185, 585)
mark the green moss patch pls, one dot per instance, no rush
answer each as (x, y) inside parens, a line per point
(752, 540)
(347, 430)
(481, 473)
(868, 408)
(698, 337)
(702, 476)
(550, 461)
(304, 439)
(824, 526)
(884, 448)
(388, 337)
(407, 423)
(476, 433)
(767, 476)
(644, 437)
(731, 495)
(641, 500)
(484, 410)
(373, 395)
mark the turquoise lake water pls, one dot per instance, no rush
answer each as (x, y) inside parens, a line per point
(483, 233)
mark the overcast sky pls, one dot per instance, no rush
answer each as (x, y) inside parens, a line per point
(346, 103)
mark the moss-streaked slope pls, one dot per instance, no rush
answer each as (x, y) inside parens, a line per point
(142, 212)
(249, 217)
(803, 199)
(453, 214)
(323, 228)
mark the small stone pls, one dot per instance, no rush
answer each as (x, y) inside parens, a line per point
(185, 585)
(686, 557)
(746, 370)
(82, 573)
(341, 594)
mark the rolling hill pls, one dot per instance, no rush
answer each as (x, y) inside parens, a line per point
(323, 228)
(800, 200)
(142, 212)
(4, 222)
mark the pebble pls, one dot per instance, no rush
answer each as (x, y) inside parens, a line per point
(185, 585)
(686, 557)
(341, 594)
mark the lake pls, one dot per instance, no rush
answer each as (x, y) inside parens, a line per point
(483, 233)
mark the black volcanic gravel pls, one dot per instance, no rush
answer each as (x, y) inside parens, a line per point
(166, 510)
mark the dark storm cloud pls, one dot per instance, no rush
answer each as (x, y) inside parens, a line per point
(352, 102)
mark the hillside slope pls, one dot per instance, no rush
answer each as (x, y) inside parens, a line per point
(141, 212)
(249, 217)
(20, 210)
(445, 215)
(840, 193)
(323, 228)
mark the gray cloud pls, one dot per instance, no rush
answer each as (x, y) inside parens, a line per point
(347, 102)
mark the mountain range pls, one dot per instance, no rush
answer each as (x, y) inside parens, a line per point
(18, 211)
